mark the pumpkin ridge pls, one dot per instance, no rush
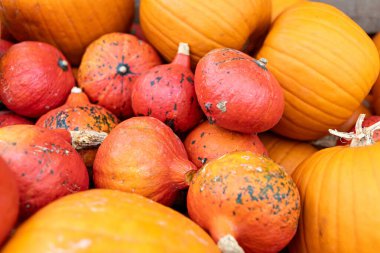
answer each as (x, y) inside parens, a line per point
(78, 37)
(43, 19)
(299, 125)
(285, 154)
(237, 9)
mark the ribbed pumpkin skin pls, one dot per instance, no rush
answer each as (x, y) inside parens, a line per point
(286, 152)
(70, 25)
(8, 118)
(279, 6)
(326, 65)
(207, 142)
(100, 75)
(204, 25)
(376, 87)
(350, 123)
(248, 196)
(109, 221)
(340, 198)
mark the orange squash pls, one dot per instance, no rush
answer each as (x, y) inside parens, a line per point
(350, 123)
(279, 6)
(246, 198)
(207, 142)
(340, 195)
(109, 221)
(326, 65)
(204, 25)
(286, 152)
(376, 87)
(69, 25)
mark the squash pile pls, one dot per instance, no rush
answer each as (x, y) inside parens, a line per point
(187, 126)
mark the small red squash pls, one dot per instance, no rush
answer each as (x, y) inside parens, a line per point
(45, 164)
(4, 46)
(8, 118)
(237, 92)
(9, 198)
(369, 121)
(207, 142)
(144, 156)
(109, 68)
(166, 92)
(246, 198)
(35, 78)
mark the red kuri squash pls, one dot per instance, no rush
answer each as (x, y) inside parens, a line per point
(368, 121)
(8, 118)
(376, 86)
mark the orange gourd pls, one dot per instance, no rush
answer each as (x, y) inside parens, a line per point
(69, 25)
(204, 25)
(246, 198)
(326, 65)
(376, 87)
(350, 123)
(109, 221)
(279, 6)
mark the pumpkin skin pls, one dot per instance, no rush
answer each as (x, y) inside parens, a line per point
(4, 46)
(376, 86)
(9, 198)
(33, 85)
(101, 220)
(108, 80)
(279, 6)
(323, 89)
(166, 92)
(45, 164)
(286, 152)
(350, 123)
(69, 25)
(142, 155)
(165, 23)
(241, 191)
(237, 92)
(8, 118)
(207, 142)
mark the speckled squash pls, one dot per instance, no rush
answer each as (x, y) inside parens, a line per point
(34, 78)
(166, 92)
(205, 25)
(144, 156)
(4, 46)
(8, 118)
(376, 86)
(326, 65)
(207, 142)
(286, 152)
(248, 197)
(279, 6)
(103, 220)
(237, 92)
(46, 166)
(70, 25)
(110, 66)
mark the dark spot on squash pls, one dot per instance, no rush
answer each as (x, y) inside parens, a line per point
(14, 143)
(39, 161)
(211, 120)
(193, 142)
(238, 199)
(233, 213)
(175, 107)
(152, 83)
(208, 106)
(23, 174)
(203, 160)
(170, 123)
(202, 134)
(51, 172)
(204, 146)
(190, 79)
(182, 78)
(191, 99)
(149, 111)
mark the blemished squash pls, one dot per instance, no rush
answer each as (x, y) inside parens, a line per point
(102, 220)
(340, 196)
(70, 25)
(326, 65)
(376, 86)
(246, 200)
(286, 152)
(279, 6)
(8, 118)
(204, 25)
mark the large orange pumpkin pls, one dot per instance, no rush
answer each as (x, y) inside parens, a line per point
(376, 87)
(205, 25)
(70, 25)
(279, 6)
(109, 221)
(326, 65)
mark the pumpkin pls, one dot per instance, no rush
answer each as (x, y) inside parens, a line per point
(79, 114)
(108, 80)
(350, 123)
(45, 164)
(245, 198)
(8, 118)
(326, 65)
(142, 155)
(279, 6)
(207, 142)
(4, 46)
(376, 86)
(35, 78)
(101, 220)
(286, 152)
(237, 92)
(340, 195)
(9, 198)
(69, 25)
(204, 25)
(166, 92)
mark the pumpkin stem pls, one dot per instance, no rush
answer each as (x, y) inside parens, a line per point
(228, 244)
(183, 55)
(87, 139)
(76, 90)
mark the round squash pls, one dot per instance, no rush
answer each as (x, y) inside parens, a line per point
(8, 118)
(69, 25)
(103, 220)
(376, 87)
(204, 25)
(326, 65)
(279, 6)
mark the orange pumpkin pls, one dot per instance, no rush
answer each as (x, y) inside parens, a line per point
(69, 25)
(246, 198)
(340, 195)
(376, 87)
(207, 142)
(109, 221)
(279, 6)
(350, 123)
(326, 65)
(204, 25)
(286, 152)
